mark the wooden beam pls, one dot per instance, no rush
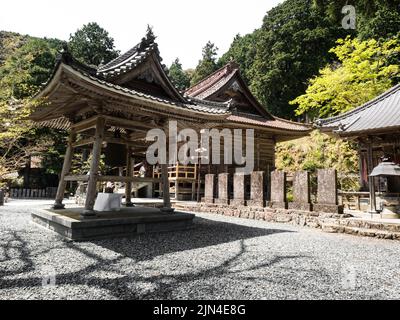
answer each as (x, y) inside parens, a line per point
(65, 169)
(165, 187)
(94, 168)
(371, 180)
(128, 184)
(77, 178)
(83, 142)
(120, 141)
(125, 123)
(127, 179)
(84, 124)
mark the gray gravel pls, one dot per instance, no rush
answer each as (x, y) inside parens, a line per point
(221, 258)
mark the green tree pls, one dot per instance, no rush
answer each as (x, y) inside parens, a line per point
(207, 65)
(92, 45)
(20, 76)
(291, 46)
(319, 151)
(375, 18)
(178, 76)
(364, 69)
(242, 51)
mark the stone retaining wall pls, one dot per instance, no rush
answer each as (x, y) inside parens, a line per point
(327, 222)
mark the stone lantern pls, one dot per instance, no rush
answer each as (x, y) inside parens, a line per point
(389, 202)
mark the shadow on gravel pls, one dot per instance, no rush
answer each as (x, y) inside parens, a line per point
(146, 247)
(205, 233)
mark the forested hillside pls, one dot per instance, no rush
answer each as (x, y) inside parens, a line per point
(300, 63)
(294, 43)
(25, 64)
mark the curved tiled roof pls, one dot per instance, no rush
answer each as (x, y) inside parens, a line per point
(213, 82)
(276, 123)
(381, 113)
(128, 60)
(194, 102)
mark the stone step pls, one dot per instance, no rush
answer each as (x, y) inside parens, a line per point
(331, 227)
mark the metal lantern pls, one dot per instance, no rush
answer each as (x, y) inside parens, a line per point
(386, 168)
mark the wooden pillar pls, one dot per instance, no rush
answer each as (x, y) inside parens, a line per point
(165, 189)
(176, 189)
(371, 182)
(65, 170)
(94, 168)
(128, 184)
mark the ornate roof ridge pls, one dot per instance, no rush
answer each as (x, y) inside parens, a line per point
(208, 102)
(207, 82)
(197, 105)
(131, 58)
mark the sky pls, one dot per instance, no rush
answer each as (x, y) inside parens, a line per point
(182, 27)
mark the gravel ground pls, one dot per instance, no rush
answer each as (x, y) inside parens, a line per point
(221, 258)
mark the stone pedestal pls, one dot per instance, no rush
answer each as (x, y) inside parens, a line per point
(257, 189)
(238, 190)
(327, 194)
(301, 192)
(278, 190)
(209, 188)
(223, 189)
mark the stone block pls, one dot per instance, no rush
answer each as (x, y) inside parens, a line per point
(327, 193)
(239, 188)
(279, 205)
(237, 203)
(257, 188)
(329, 208)
(327, 187)
(300, 206)
(223, 189)
(209, 188)
(278, 189)
(255, 203)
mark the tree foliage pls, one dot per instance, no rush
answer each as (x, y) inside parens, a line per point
(92, 45)
(292, 45)
(178, 76)
(317, 152)
(242, 51)
(207, 65)
(375, 18)
(364, 69)
(20, 76)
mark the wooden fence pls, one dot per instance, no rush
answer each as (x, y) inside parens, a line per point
(22, 193)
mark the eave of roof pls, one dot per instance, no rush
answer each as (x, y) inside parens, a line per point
(379, 114)
(196, 106)
(277, 123)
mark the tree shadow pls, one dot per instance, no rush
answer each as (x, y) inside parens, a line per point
(205, 233)
(126, 285)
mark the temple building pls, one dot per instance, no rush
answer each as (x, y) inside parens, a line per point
(375, 126)
(109, 110)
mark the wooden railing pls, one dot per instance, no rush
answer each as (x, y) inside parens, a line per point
(179, 171)
(360, 200)
(354, 200)
(23, 193)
